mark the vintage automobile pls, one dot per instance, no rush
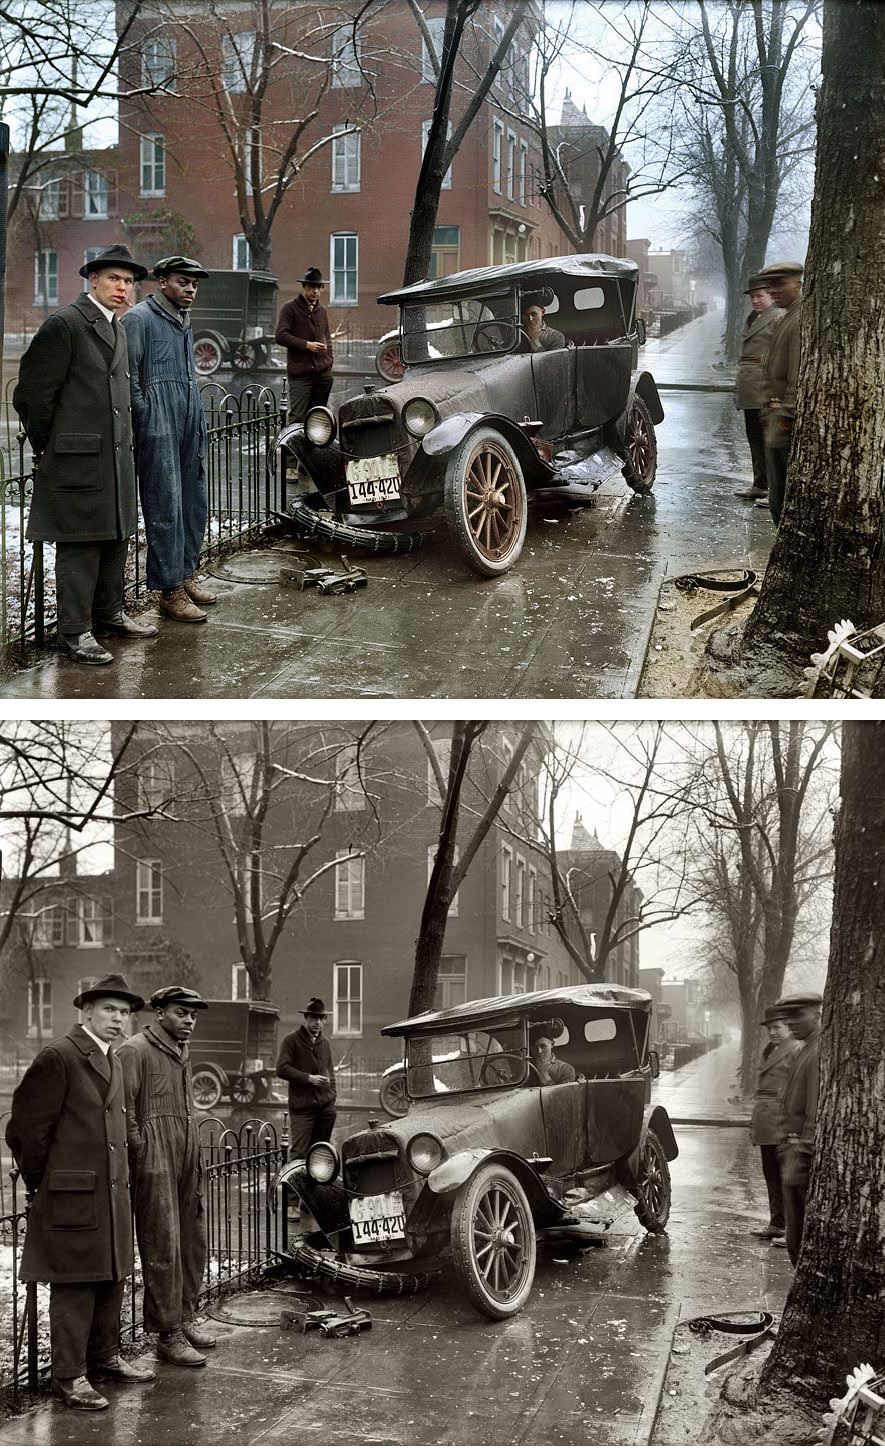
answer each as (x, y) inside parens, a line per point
(488, 1156)
(479, 424)
(233, 319)
(233, 1053)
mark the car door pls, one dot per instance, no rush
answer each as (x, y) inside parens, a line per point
(613, 1118)
(602, 382)
(553, 374)
(564, 1111)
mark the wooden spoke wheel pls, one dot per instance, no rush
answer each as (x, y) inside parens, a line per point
(207, 356)
(485, 502)
(493, 1241)
(642, 448)
(653, 1185)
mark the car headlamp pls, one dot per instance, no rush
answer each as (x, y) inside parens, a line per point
(425, 1152)
(319, 425)
(419, 416)
(322, 1162)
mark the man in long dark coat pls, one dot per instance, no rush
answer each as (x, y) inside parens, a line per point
(170, 438)
(303, 329)
(305, 1061)
(799, 1113)
(72, 396)
(164, 1150)
(765, 1120)
(780, 377)
(748, 394)
(67, 1132)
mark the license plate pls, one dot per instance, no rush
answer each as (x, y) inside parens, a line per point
(373, 480)
(377, 1219)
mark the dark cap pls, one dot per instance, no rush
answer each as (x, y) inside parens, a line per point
(756, 283)
(315, 1007)
(183, 264)
(313, 277)
(807, 1001)
(780, 269)
(775, 1013)
(178, 995)
(109, 985)
(114, 256)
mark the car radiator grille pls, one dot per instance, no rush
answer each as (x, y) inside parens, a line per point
(372, 1165)
(365, 429)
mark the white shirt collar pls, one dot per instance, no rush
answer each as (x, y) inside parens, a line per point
(106, 312)
(105, 1045)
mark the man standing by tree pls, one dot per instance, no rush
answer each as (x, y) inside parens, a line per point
(305, 1061)
(303, 329)
(780, 376)
(170, 438)
(765, 1120)
(748, 398)
(164, 1150)
(799, 1113)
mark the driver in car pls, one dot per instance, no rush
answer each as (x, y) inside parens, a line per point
(551, 1071)
(538, 336)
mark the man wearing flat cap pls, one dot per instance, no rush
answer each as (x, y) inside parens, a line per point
(780, 377)
(765, 1119)
(305, 1061)
(303, 329)
(799, 1112)
(72, 396)
(164, 1154)
(170, 438)
(755, 340)
(67, 1132)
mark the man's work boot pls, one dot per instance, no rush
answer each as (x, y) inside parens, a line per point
(197, 1335)
(174, 1347)
(767, 1232)
(78, 1393)
(117, 1370)
(82, 649)
(198, 593)
(175, 603)
(753, 493)
(122, 626)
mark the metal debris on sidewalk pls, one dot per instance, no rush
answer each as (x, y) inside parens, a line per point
(326, 580)
(860, 1414)
(754, 1327)
(849, 666)
(330, 1322)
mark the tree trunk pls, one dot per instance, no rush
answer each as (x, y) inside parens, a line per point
(427, 192)
(828, 562)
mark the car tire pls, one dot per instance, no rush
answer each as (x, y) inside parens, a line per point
(485, 502)
(392, 1094)
(388, 362)
(653, 1185)
(314, 523)
(207, 1087)
(496, 1275)
(312, 1262)
(641, 466)
(208, 356)
(244, 357)
(244, 1090)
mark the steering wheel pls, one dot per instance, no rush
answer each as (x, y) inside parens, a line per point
(488, 337)
(498, 1070)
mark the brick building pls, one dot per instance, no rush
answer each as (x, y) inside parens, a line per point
(580, 144)
(592, 867)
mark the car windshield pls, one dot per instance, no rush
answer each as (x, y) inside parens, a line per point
(458, 327)
(480, 1060)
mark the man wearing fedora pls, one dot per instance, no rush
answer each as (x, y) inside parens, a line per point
(748, 399)
(170, 438)
(780, 377)
(67, 1132)
(305, 1061)
(765, 1122)
(166, 1167)
(799, 1112)
(72, 396)
(303, 329)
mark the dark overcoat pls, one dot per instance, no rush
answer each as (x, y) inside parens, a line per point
(765, 1122)
(67, 1132)
(755, 341)
(72, 396)
(301, 1057)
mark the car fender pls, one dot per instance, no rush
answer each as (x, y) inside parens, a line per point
(458, 1169)
(643, 385)
(654, 1118)
(451, 432)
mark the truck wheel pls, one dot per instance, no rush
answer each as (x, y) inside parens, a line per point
(642, 448)
(208, 1088)
(485, 502)
(244, 1090)
(653, 1185)
(493, 1241)
(207, 356)
(311, 1262)
(392, 1094)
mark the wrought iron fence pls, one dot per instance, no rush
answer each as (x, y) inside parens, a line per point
(245, 488)
(242, 1230)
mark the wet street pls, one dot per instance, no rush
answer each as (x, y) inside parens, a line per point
(571, 621)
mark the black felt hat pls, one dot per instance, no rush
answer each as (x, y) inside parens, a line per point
(315, 1007)
(109, 985)
(115, 256)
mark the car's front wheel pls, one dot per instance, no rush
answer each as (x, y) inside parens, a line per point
(642, 448)
(493, 1241)
(485, 502)
(208, 356)
(207, 1087)
(653, 1185)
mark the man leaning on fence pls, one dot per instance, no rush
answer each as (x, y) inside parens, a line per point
(67, 1132)
(164, 1152)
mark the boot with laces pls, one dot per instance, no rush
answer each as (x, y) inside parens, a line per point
(174, 603)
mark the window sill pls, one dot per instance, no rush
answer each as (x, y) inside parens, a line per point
(360, 916)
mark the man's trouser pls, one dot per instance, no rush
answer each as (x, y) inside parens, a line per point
(89, 583)
(170, 1222)
(307, 392)
(756, 439)
(84, 1325)
(795, 1163)
(776, 459)
(771, 1170)
(307, 1127)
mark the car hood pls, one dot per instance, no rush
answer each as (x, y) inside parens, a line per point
(461, 388)
(508, 1118)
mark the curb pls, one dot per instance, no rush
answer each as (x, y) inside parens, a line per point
(648, 1416)
(694, 386)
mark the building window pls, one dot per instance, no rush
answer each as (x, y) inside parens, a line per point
(425, 135)
(156, 782)
(39, 1007)
(90, 921)
(445, 256)
(240, 983)
(437, 28)
(511, 164)
(431, 857)
(153, 165)
(533, 900)
(148, 892)
(506, 874)
(350, 887)
(497, 148)
(345, 54)
(241, 259)
(237, 778)
(346, 159)
(344, 268)
(350, 796)
(497, 37)
(237, 52)
(48, 208)
(517, 977)
(95, 195)
(49, 928)
(520, 891)
(523, 169)
(451, 985)
(91, 252)
(347, 998)
(443, 750)
(158, 62)
(45, 278)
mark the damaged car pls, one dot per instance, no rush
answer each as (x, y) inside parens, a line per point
(492, 1156)
(480, 425)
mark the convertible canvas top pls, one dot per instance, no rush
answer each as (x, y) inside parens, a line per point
(514, 1007)
(587, 265)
